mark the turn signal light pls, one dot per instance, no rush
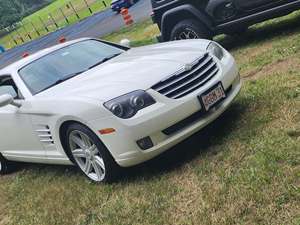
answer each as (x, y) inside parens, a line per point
(107, 131)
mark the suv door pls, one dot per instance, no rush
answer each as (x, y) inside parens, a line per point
(253, 4)
(17, 138)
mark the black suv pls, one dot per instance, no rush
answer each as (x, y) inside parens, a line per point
(190, 19)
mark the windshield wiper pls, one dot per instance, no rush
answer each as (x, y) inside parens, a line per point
(104, 60)
(63, 79)
(77, 73)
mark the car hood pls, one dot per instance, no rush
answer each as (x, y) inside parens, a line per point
(137, 69)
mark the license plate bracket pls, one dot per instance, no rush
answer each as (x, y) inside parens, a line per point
(212, 97)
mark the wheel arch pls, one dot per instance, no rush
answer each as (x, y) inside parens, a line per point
(62, 135)
(180, 13)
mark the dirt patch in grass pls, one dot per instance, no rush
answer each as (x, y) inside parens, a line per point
(289, 65)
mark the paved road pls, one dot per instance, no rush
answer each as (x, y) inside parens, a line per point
(97, 25)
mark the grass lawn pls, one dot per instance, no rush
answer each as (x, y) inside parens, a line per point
(242, 169)
(53, 8)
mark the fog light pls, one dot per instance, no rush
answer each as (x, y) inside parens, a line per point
(145, 143)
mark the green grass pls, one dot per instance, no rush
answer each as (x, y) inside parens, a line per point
(27, 28)
(242, 169)
(53, 8)
(136, 34)
(50, 9)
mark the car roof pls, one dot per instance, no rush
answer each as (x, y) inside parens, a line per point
(27, 60)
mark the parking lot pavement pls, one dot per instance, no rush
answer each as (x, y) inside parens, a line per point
(97, 25)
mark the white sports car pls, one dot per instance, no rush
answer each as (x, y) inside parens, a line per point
(102, 106)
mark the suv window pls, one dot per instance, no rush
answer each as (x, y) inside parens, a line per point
(8, 86)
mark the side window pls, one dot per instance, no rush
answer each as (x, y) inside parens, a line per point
(8, 86)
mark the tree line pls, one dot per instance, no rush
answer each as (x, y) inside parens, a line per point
(12, 11)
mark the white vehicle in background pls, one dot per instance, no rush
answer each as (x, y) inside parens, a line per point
(102, 106)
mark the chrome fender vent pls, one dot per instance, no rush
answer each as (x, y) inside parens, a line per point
(44, 134)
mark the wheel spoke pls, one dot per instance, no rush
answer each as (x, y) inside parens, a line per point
(78, 141)
(194, 36)
(79, 153)
(182, 36)
(93, 150)
(85, 140)
(87, 167)
(97, 170)
(99, 161)
(187, 35)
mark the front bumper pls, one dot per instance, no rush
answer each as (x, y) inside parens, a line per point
(152, 121)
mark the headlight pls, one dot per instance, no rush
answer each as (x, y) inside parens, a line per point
(126, 106)
(216, 50)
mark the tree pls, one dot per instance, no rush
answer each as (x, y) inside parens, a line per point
(12, 11)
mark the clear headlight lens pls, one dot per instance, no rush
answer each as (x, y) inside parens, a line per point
(126, 106)
(216, 50)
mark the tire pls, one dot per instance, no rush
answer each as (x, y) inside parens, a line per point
(190, 29)
(90, 155)
(4, 166)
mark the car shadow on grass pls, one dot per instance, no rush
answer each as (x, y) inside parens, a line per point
(195, 146)
(260, 33)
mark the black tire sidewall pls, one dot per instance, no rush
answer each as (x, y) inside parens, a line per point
(201, 30)
(111, 168)
(4, 165)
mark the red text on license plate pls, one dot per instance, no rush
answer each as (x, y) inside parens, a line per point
(213, 97)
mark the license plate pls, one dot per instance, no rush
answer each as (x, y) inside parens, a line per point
(213, 97)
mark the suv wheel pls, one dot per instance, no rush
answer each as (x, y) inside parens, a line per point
(190, 29)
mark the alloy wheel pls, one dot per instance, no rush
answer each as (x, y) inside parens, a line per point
(87, 155)
(187, 34)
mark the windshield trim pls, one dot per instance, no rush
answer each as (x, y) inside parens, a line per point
(91, 39)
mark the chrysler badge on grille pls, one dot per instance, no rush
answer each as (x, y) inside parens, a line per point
(188, 67)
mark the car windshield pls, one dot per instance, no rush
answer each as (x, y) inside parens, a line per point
(66, 63)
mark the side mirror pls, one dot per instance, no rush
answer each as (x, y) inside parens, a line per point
(8, 100)
(125, 42)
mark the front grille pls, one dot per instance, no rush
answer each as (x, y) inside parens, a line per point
(184, 82)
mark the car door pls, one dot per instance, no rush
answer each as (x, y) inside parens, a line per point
(248, 5)
(18, 140)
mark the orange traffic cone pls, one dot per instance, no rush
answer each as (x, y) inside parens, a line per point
(126, 17)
